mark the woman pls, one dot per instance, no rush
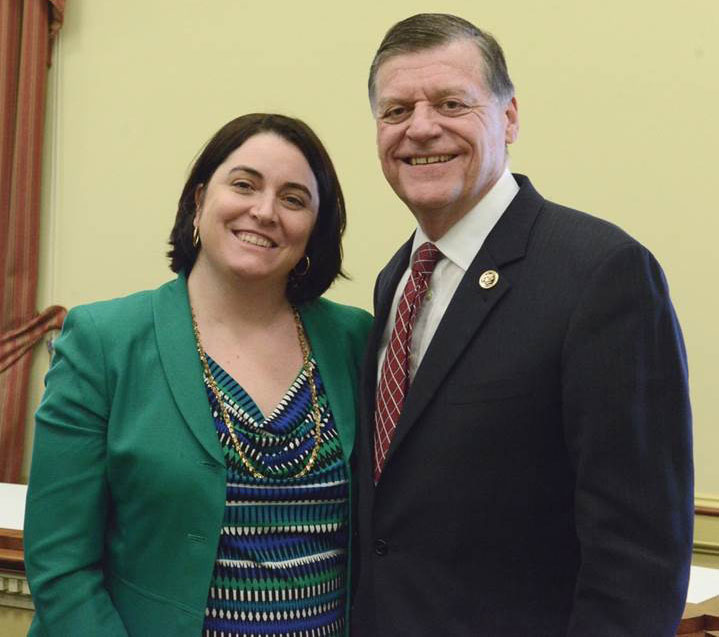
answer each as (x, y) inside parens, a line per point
(160, 504)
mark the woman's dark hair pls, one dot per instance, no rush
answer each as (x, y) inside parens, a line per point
(324, 247)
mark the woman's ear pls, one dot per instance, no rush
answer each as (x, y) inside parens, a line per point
(199, 198)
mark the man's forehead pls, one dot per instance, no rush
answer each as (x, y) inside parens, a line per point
(452, 68)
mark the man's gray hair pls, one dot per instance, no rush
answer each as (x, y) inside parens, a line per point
(429, 30)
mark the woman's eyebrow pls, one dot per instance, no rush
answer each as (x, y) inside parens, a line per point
(302, 187)
(246, 169)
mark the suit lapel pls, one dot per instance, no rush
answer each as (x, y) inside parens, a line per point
(470, 305)
(387, 282)
(386, 286)
(181, 364)
(334, 369)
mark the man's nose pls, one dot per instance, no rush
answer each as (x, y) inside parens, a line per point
(423, 123)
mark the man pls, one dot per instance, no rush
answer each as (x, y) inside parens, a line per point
(525, 465)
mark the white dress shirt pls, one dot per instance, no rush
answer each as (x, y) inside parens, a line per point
(459, 246)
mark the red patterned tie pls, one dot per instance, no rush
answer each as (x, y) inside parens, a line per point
(394, 379)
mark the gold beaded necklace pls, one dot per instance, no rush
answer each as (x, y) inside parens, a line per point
(307, 368)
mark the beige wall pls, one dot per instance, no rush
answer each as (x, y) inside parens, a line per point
(618, 104)
(14, 622)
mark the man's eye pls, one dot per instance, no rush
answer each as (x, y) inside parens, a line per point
(453, 108)
(395, 115)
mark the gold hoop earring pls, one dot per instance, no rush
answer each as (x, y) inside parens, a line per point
(304, 272)
(196, 237)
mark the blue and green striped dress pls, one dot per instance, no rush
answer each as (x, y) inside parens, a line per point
(281, 568)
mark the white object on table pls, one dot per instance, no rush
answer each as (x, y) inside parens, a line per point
(12, 505)
(703, 584)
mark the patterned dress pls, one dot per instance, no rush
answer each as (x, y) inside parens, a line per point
(281, 568)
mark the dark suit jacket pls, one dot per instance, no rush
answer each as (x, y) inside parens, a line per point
(540, 478)
(128, 481)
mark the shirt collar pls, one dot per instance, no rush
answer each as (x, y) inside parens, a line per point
(463, 240)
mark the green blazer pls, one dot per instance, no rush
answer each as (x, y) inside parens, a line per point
(127, 486)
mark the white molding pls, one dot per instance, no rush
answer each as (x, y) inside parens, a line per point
(706, 500)
(14, 591)
(706, 548)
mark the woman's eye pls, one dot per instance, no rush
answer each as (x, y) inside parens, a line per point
(242, 185)
(294, 201)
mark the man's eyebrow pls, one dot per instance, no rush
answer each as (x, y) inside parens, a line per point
(256, 173)
(459, 91)
(384, 101)
(455, 90)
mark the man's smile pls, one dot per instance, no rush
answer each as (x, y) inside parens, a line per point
(430, 159)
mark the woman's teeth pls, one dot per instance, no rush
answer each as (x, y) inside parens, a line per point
(254, 239)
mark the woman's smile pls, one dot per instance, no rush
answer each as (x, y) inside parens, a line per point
(254, 239)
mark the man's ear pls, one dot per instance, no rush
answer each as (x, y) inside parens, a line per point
(511, 131)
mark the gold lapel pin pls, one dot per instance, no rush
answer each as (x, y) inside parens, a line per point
(488, 279)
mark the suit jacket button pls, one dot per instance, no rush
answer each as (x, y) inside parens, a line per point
(381, 547)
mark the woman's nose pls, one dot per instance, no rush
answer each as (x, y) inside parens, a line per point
(263, 209)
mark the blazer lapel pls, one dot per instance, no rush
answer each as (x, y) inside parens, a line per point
(335, 370)
(181, 364)
(470, 305)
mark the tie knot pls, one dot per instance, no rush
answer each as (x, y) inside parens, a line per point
(427, 257)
